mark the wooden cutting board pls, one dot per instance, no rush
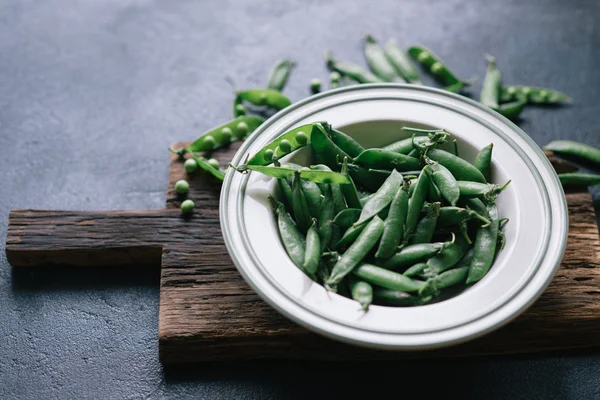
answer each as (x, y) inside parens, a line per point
(207, 312)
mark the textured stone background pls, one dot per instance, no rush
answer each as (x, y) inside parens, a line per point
(93, 92)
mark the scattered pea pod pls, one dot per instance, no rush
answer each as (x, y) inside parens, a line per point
(378, 62)
(264, 97)
(279, 74)
(575, 149)
(306, 174)
(513, 109)
(405, 146)
(435, 66)
(400, 62)
(490, 91)
(350, 70)
(222, 135)
(533, 95)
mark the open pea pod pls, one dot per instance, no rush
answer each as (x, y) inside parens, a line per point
(206, 166)
(283, 145)
(307, 174)
(437, 68)
(265, 97)
(222, 135)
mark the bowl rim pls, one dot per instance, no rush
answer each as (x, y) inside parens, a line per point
(499, 321)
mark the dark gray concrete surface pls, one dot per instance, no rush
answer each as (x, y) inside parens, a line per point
(93, 92)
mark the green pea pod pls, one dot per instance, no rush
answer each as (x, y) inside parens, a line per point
(361, 291)
(265, 155)
(367, 180)
(415, 270)
(484, 248)
(447, 258)
(285, 191)
(424, 230)
(533, 95)
(378, 62)
(579, 179)
(444, 280)
(292, 239)
(490, 91)
(386, 278)
(476, 205)
(336, 191)
(445, 182)
(206, 166)
(349, 191)
(356, 252)
(238, 106)
(393, 231)
(400, 62)
(575, 149)
(312, 253)
(364, 200)
(486, 191)
(382, 198)
(397, 298)
(325, 150)
(417, 200)
(461, 169)
(326, 218)
(343, 141)
(454, 216)
(459, 86)
(299, 204)
(465, 261)
(433, 64)
(483, 161)
(350, 70)
(412, 254)
(405, 146)
(385, 159)
(220, 136)
(306, 174)
(265, 97)
(313, 195)
(346, 218)
(513, 109)
(434, 195)
(279, 74)
(350, 236)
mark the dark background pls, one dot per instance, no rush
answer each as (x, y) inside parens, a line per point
(93, 92)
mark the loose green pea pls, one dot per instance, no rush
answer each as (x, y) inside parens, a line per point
(422, 57)
(227, 133)
(209, 142)
(181, 187)
(315, 85)
(213, 163)
(187, 206)
(241, 129)
(190, 165)
(285, 146)
(301, 138)
(240, 109)
(335, 77)
(436, 68)
(268, 155)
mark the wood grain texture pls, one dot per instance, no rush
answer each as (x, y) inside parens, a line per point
(208, 313)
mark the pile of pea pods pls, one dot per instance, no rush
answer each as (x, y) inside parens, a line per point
(394, 226)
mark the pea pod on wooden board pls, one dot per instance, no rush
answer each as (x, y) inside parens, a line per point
(306, 174)
(378, 62)
(264, 97)
(238, 107)
(575, 149)
(387, 279)
(461, 169)
(382, 198)
(400, 62)
(350, 70)
(579, 179)
(356, 252)
(533, 95)
(490, 91)
(385, 159)
(220, 136)
(295, 138)
(425, 228)
(279, 74)
(434, 65)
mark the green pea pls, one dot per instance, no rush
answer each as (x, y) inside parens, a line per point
(315, 85)
(422, 57)
(268, 154)
(240, 109)
(335, 77)
(335, 85)
(213, 163)
(436, 68)
(187, 206)
(301, 138)
(227, 134)
(285, 146)
(190, 165)
(544, 94)
(209, 142)
(241, 129)
(181, 187)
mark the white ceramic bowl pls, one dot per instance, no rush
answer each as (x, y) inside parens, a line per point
(373, 114)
